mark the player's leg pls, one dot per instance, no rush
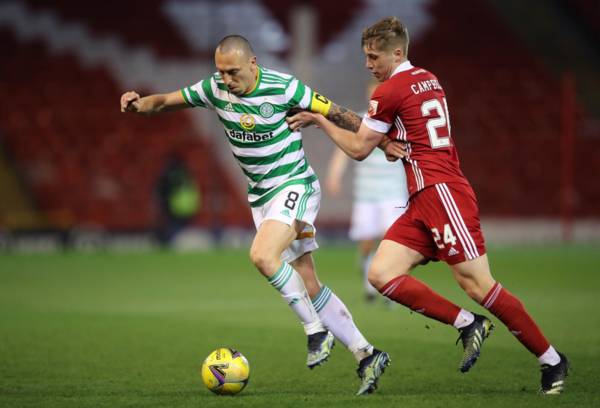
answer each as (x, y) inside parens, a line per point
(413, 238)
(319, 344)
(474, 277)
(476, 280)
(305, 266)
(390, 274)
(406, 244)
(366, 250)
(471, 269)
(272, 238)
(388, 212)
(285, 232)
(332, 311)
(338, 319)
(364, 229)
(453, 219)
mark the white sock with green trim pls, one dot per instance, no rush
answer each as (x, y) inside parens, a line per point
(336, 317)
(291, 286)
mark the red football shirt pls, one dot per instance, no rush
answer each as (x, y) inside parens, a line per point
(411, 106)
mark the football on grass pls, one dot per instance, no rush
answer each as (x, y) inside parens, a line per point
(225, 371)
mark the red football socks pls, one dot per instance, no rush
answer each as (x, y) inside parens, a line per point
(419, 297)
(506, 307)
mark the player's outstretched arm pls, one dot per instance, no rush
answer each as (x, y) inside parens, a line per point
(357, 145)
(344, 117)
(340, 116)
(349, 120)
(132, 102)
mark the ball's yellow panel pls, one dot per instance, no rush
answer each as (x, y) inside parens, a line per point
(232, 388)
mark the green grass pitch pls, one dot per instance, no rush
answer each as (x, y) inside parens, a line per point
(131, 330)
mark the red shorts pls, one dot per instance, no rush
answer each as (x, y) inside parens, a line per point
(441, 223)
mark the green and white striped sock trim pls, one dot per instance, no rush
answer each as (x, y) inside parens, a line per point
(282, 276)
(321, 299)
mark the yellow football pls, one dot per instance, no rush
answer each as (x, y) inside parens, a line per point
(225, 371)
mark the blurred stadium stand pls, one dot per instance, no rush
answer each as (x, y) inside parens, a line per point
(587, 13)
(86, 164)
(134, 23)
(72, 160)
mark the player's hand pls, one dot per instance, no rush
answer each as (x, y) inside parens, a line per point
(300, 120)
(293, 111)
(130, 101)
(395, 150)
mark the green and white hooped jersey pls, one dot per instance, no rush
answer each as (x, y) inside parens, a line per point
(269, 153)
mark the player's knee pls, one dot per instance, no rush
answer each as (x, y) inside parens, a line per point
(380, 273)
(472, 288)
(374, 278)
(264, 262)
(475, 285)
(376, 274)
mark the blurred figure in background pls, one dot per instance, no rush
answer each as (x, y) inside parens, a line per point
(178, 199)
(379, 197)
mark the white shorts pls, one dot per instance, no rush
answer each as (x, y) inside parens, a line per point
(296, 202)
(371, 219)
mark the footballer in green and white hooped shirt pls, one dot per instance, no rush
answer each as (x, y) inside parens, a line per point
(252, 103)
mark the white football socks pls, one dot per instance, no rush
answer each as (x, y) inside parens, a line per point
(291, 286)
(463, 319)
(549, 357)
(338, 320)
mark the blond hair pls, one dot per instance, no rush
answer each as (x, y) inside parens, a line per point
(386, 34)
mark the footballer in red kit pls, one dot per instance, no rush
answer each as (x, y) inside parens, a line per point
(411, 107)
(408, 118)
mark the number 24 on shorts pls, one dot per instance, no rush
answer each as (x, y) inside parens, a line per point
(449, 237)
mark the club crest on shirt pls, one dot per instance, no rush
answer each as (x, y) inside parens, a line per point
(372, 108)
(266, 110)
(247, 121)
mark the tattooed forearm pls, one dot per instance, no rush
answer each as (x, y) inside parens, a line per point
(344, 118)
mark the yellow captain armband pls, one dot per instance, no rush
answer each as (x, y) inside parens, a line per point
(320, 104)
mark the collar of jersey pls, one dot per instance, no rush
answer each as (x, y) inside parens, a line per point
(258, 78)
(405, 66)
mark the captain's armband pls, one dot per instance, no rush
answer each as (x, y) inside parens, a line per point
(320, 104)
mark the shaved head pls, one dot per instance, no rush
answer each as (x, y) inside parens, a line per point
(236, 63)
(235, 43)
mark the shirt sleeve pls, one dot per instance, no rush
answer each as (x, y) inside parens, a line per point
(380, 116)
(297, 95)
(200, 93)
